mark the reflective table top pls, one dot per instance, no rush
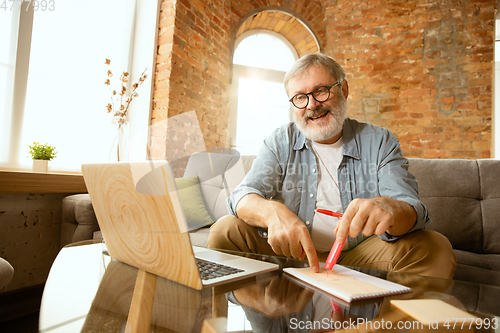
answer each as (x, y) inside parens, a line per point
(87, 291)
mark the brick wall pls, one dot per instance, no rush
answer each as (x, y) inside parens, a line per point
(30, 235)
(421, 68)
(192, 73)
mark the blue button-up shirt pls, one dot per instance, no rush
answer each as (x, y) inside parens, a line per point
(373, 165)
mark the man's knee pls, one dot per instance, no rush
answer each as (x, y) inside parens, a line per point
(232, 233)
(432, 241)
(435, 251)
(220, 231)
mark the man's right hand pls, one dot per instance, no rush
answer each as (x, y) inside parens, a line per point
(287, 234)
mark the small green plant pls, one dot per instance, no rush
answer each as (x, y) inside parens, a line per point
(42, 152)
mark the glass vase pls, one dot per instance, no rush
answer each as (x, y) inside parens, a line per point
(122, 142)
(119, 148)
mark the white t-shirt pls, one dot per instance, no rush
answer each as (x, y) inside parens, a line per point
(328, 159)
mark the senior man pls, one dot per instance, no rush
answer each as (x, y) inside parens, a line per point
(325, 159)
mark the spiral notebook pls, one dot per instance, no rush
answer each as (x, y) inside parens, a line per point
(347, 284)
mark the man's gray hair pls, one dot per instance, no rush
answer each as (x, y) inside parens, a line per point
(312, 59)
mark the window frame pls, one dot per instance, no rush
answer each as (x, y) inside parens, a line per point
(141, 38)
(22, 25)
(243, 71)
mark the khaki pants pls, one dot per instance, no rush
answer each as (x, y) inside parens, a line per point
(422, 252)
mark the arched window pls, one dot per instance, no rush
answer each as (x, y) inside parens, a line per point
(259, 103)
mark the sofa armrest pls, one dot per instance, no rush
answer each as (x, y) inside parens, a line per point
(78, 219)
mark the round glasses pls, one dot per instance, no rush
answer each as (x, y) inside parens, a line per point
(320, 94)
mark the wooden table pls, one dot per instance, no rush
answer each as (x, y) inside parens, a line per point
(33, 182)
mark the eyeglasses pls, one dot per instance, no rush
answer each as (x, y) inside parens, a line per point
(320, 94)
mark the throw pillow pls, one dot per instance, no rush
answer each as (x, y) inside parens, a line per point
(191, 198)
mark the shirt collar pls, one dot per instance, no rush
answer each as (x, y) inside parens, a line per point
(351, 147)
(301, 141)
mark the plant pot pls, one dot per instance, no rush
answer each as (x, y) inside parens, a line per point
(40, 165)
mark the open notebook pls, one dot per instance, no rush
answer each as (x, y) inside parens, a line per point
(142, 221)
(347, 284)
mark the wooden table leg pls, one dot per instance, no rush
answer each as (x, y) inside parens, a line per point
(139, 316)
(219, 305)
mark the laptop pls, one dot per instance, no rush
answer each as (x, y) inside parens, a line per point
(143, 224)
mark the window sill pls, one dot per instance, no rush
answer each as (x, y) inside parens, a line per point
(33, 182)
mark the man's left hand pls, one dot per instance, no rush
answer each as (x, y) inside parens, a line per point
(376, 216)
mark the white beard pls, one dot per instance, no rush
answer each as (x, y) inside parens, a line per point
(328, 131)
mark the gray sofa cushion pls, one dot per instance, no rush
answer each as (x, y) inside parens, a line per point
(450, 189)
(489, 175)
(463, 201)
(78, 219)
(219, 174)
(486, 261)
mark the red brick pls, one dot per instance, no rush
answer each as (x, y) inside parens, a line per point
(416, 92)
(447, 100)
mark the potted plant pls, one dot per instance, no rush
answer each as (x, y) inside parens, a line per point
(41, 155)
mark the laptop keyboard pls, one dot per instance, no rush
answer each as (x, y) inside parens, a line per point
(211, 270)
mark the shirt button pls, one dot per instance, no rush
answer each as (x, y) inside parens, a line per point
(314, 170)
(307, 317)
(311, 195)
(308, 223)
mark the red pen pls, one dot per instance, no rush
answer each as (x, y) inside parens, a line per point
(334, 254)
(329, 212)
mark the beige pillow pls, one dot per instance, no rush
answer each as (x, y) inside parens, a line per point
(192, 202)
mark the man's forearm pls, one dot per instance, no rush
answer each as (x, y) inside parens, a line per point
(257, 211)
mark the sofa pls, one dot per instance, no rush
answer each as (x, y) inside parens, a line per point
(462, 197)
(463, 201)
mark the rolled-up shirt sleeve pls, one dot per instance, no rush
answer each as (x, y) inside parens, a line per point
(264, 178)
